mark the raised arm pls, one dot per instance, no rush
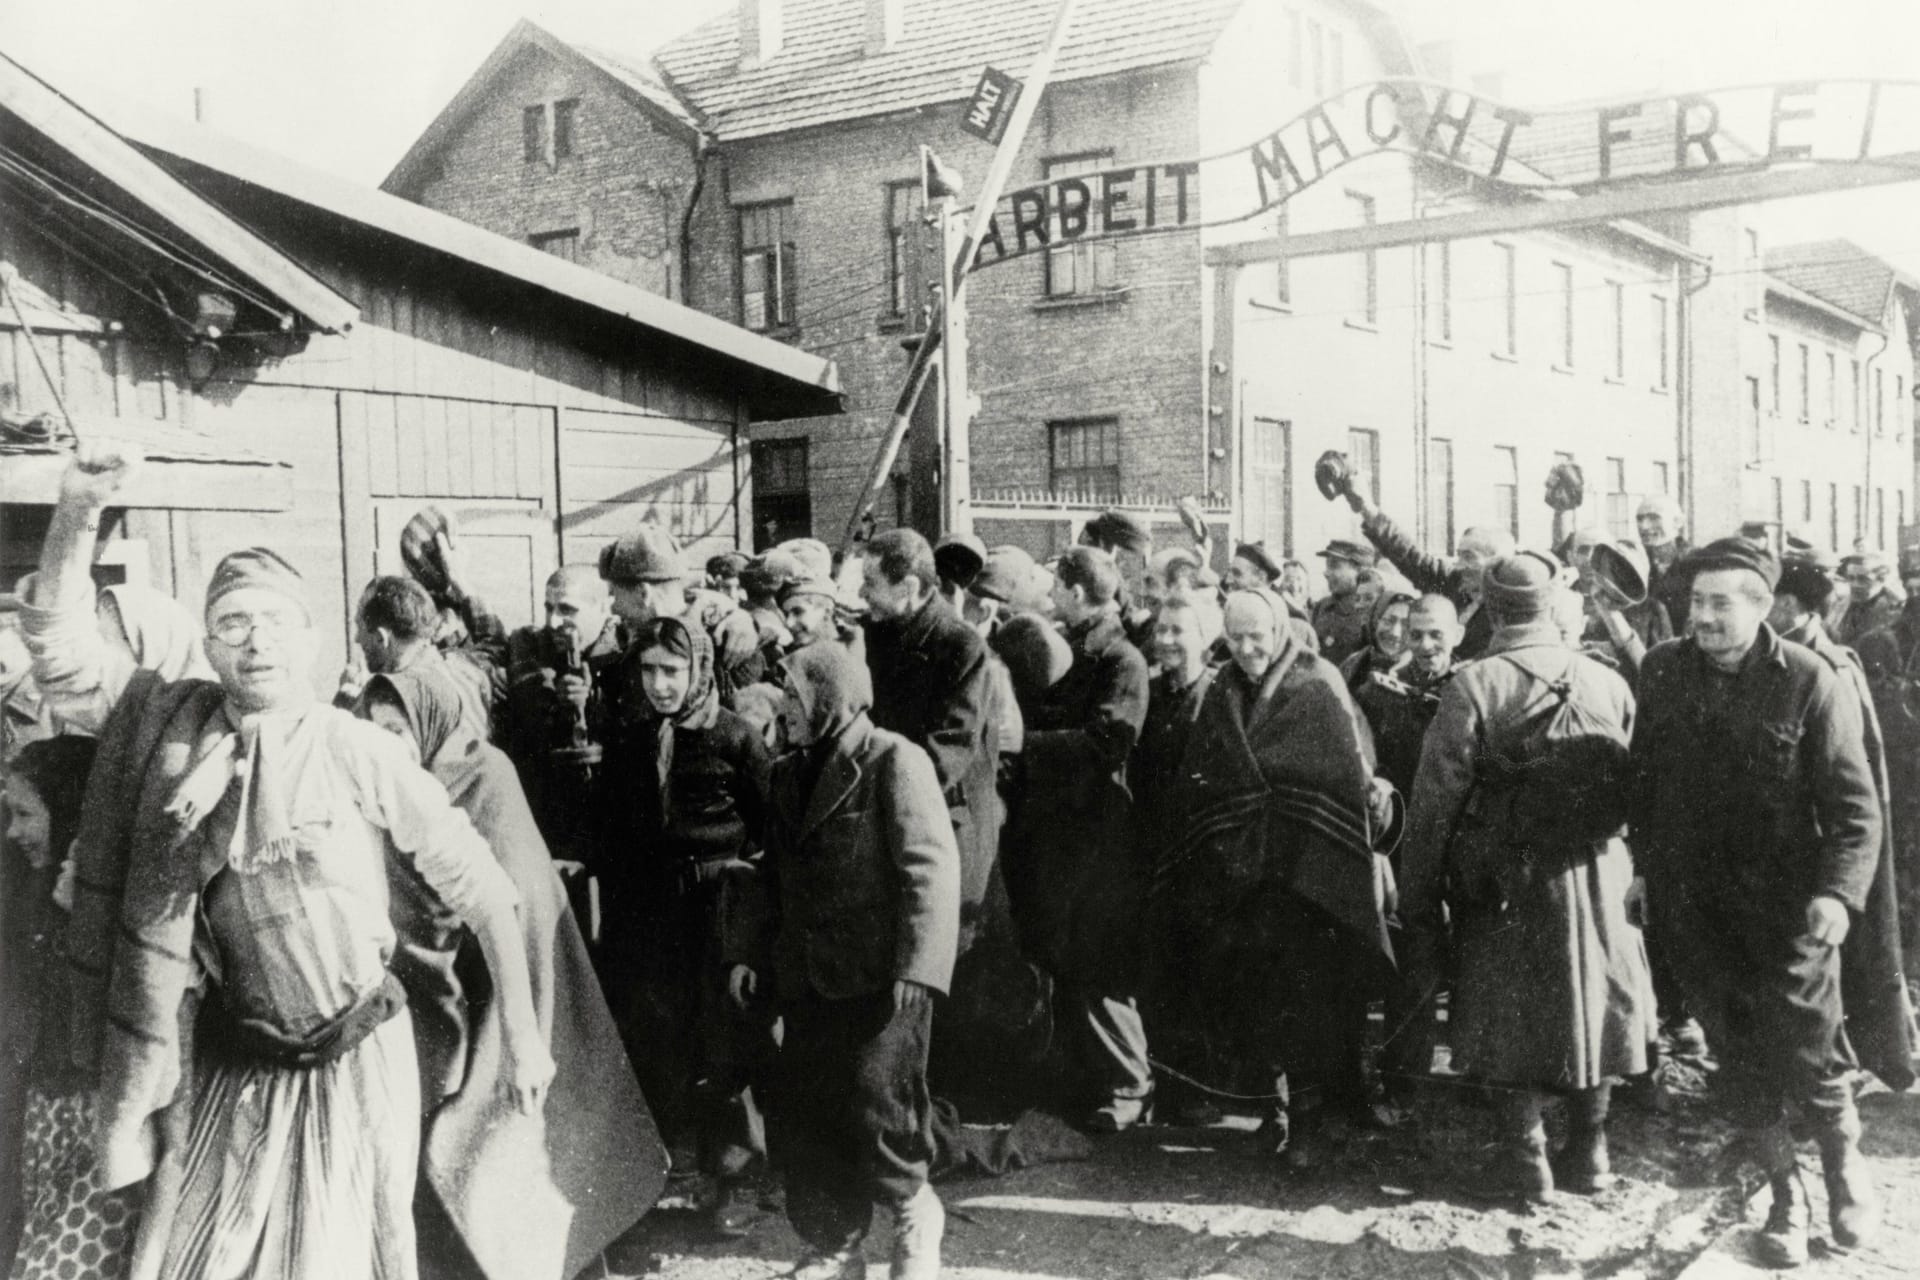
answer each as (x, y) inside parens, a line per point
(1426, 571)
(79, 674)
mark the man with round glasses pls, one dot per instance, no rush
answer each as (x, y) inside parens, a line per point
(230, 939)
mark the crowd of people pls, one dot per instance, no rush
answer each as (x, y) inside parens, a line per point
(783, 864)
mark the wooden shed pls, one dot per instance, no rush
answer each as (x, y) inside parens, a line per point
(308, 362)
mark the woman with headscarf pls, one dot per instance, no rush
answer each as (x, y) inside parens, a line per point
(63, 1219)
(1269, 908)
(686, 778)
(506, 1195)
(136, 629)
(858, 933)
(1383, 642)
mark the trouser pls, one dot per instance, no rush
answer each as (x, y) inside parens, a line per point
(698, 1057)
(1108, 1042)
(852, 1120)
(1768, 997)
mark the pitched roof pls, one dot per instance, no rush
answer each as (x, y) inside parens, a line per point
(92, 143)
(1841, 274)
(636, 82)
(791, 382)
(822, 74)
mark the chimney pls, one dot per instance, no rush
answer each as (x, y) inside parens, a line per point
(760, 31)
(886, 21)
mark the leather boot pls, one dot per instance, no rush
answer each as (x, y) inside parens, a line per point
(1582, 1166)
(1783, 1241)
(1315, 1136)
(918, 1225)
(1853, 1206)
(1519, 1169)
(845, 1264)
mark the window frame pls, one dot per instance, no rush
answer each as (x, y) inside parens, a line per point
(789, 505)
(1663, 339)
(563, 126)
(1094, 249)
(1368, 315)
(541, 240)
(1509, 266)
(1108, 425)
(1617, 297)
(784, 278)
(1507, 477)
(1806, 383)
(1443, 534)
(901, 302)
(1564, 271)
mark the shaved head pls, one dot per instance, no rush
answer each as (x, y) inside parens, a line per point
(577, 577)
(1433, 631)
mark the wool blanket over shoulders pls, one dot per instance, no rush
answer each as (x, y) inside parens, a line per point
(1274, 791)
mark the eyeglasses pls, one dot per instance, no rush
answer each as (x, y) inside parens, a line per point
(236, 629)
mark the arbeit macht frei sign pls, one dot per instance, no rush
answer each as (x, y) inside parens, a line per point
(1568, 150)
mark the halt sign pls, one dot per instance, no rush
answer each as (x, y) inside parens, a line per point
(991, 105)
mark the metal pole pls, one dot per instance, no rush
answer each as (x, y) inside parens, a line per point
(956, 470)
(996, 180)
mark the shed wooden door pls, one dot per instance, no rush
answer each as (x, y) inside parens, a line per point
(509, 550)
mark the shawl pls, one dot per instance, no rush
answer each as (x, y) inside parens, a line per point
(163, 634)
(530, 1196)
(702, 704)
(1274, 792)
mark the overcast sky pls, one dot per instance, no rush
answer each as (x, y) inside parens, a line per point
(346, 85)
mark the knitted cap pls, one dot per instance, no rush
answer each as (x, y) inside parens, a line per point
(1735, 553)
(1006, 572)
(649, 554)
(1522, 583)
(257, 567)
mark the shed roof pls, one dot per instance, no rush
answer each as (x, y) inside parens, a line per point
(62, 121)
(822, 73)
(1841, 274)
(783, 381)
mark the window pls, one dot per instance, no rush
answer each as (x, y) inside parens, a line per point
(1563, 281)
(1853, 402)
(1363, 450)
(1833, 389)
(1506, 488)
(1317, 47)
(1617, 302)
(1509, 287)
(1080, 266)
(1806, 503)
(1439, 530)
(1859, 513)
(1773, 372)
(1806, 384)
(1662, 478)
(766, 265)
(561, 244)
(1756, 432)
(1880, 519)
(1084, 458)
(1440, 292)
(1833, 516)
(1879, 402)
(1662, 345)
(1366, 284)
(546, 130)
(1619, 507)
(533, 133)
(907, 257)
(782, 506)
(1269, 483)
(1753, 275)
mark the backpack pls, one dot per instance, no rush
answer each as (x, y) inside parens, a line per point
(1561, 782)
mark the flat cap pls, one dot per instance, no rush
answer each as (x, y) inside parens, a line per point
(649, 554)
(1258, 556)
(1353, 552)
(1524, 582)
(728, 564)
(1005, 575)
(959, 557)
(1735, 553)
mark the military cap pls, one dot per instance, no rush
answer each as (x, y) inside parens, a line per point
(1353, 552)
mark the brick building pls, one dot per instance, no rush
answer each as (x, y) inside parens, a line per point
(1455, 374)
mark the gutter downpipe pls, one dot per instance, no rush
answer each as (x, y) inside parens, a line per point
(1684, 457)
(703, 152)
(1867, 433)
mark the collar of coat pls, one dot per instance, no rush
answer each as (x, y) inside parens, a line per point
(1767, 647)
(1097, 635)
(913, 630)
(1527, 635)
(839, 776)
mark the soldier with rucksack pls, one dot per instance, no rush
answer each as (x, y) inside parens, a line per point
(1515, 826)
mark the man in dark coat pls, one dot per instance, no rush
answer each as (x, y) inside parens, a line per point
(931, 686)
(1552, 993)
(1756, 889)
(1458, 580)
(1877, 596)
(1662, 528)
(1073, 829)
(861, 924)
(1340, 619)
(1891, 660)
(555, 720)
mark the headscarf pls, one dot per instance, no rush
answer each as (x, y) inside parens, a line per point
(57, 769)
(1389, 597)
(702, 705)
(163, 633)
(432, 705)
(836, 684)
